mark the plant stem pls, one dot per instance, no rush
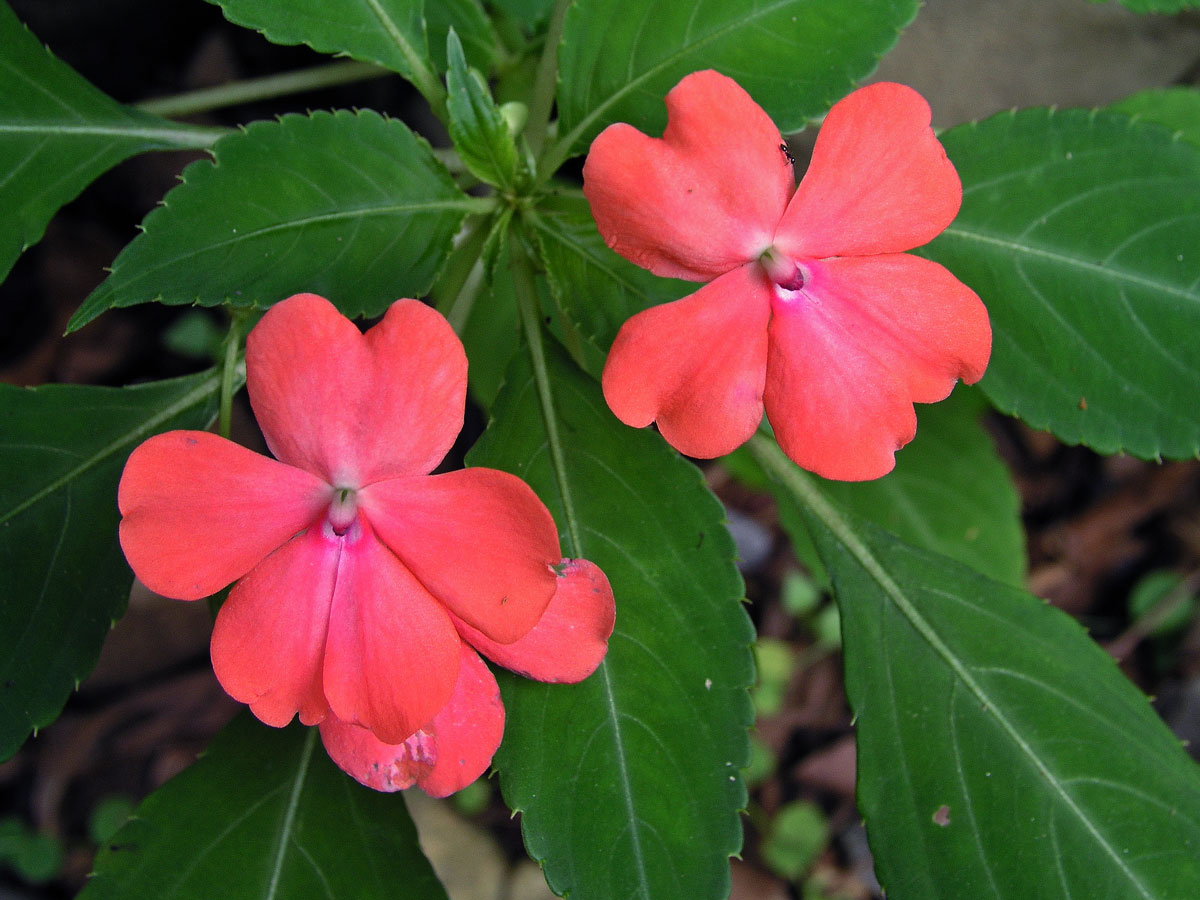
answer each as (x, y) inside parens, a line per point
(251, 89)
(525, 288)
(229, 371)
(449, 297)
(545, 81)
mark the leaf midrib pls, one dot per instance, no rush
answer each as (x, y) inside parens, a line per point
(356, 214)
(1099, 270)
(799, 484)
(209, 386)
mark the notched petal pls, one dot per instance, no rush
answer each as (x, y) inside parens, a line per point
(879, 180)
(705, 197)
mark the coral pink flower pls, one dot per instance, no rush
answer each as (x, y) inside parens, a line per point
(812, 309)
(362, 581)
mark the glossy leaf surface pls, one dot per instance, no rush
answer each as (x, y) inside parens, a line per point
(1176, 108)
(596, 289)
(1079, 230)
(628, 783)
(950, 493)
(351, 206)
(795, 57)
(1001, 753)
(58, 133)
(265, 814)
(62, 448)
(388, 32)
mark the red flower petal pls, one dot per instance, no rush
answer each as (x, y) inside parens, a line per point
(268, 643)
(695, 365)
(467, 731)
(879, 180)
(200, 511)
(445, 756)
(865, 339)
(391, 655)
(371, 762)
(350, 407)
(701, 200)
(479, 540)
(570, 639)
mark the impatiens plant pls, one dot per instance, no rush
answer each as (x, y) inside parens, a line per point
(813, 312)
(362, 579)
(563, 614)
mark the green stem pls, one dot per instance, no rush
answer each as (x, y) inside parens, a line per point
(253, 89)
(525, 287)
(229, 371)
(449, 297)
(545, 81)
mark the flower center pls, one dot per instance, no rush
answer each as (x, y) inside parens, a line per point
(782, 270)
(343, 510)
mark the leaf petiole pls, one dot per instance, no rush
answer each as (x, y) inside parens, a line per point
(251, 89)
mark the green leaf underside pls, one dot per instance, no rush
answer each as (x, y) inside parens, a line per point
(596, 288)
(58, 133)
(950, 493)
(351, 206)
(795, 57)
(1176, 108)
(976, 701)
(629, 783)
(1080, 231)
(264, 815)
(62, 449)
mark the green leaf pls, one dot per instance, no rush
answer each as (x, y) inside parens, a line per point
(351, 206)
(62, 448)
(479, 132)
(388, 32)
(265, 814)
(1080, 230)
(1176, 108)
(597, 289)
(1156, 6)
(629, 782)
(949, 493)
(470, 23)
(1001, 753)
(58, 133)
(795, 57)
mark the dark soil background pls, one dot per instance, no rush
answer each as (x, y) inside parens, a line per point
(1097, 526)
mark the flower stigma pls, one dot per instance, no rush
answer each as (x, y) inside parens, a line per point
(343, 510)
(782, 270)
